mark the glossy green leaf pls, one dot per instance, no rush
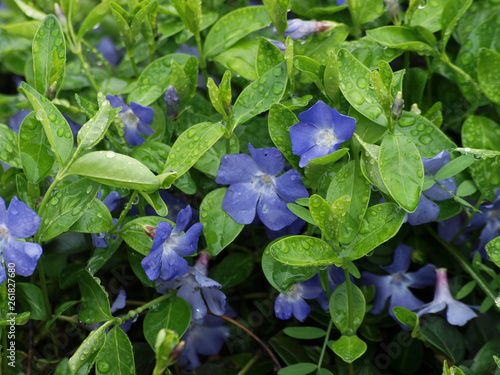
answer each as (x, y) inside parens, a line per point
(304, 251)
(401, 170)
(30, 11)
(354, 84)
(466, 188)
(65, 207)
(37, 157)
(338, 311)
(331, 79)
(452, 12)
(156, 201)
(349, 181)
(184, 79)
(234, 26)
(260, 95)
(428, 138)
(95, 304)
(455, 166)
(282, 276)
(369, 166)
(95, 219)
(233, 269)
(279, 121)
(314, 70)
(26, 29)
(427, 15)
(493, 250)
(152, 154)
(114, 169)
(20, 319)
(219, 229)
(9, 153)
(122, 19)
(240, 58)
(277, 10)
(191, 144)
(298, 369)
(190, 13)
(86, 354)
(93, 18)
(116, 355)
(368, 130)
(370, 53)
(405, 316)
(55, 125)
(301, 212)
(445, 337)
(349, 348)
(381, 223)
(268, 56)
(65, 306)
(49, 55)
(401, 37)
(315, 167)
(488, 71)
(304, 333)
(31, 298)
(173, 313)
(134, 233)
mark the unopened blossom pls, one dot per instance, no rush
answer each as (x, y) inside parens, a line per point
(293, 302)
(457, 313)
(172, 101)
(164, 259)
(108, 49)
(17, 223)
(255, 187)
(396, 285)
(320, 132)
(192, 285)
(489, 217)
(136, 119)
(299, 29)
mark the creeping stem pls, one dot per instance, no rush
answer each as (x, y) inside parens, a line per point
(125, 211)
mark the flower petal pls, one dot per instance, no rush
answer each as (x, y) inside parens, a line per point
(437, 162)
(235, 169)
(282, 307)
(3, 274)
(3, 211)
(343, 126)
(152, 262)
(404, 298)
(112, 200)
(303, 137)
(240, 202)
(22, 221)
(273, 211)
(117, 102)
(319, 115)
(203, 281)
(145, 114)
(187, 244)
(290, 187)
(401, 260)
(268, 160)
(99, 242)
(215, 299)
(24, 255)
(132, 136)
(173, 266)
(183, 219)
(426, 212)
(192, 295)
(383, 289)
(437, 193)
(459, 313)
(300, 309)
(120, 301)
(313, 153)
(425, 276)
(431, 308)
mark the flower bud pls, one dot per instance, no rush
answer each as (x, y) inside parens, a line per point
(172, 100)
(51, 91)
(415, 109)
(397, 106)
(299, 29)
(150, 231)
(393, 9)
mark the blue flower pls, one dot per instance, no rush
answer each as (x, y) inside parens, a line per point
(204, 336)
(427, 211)
(19, 222)
(112, 202)
(397, 283)
(320, 132)
(458, 313)
(293, 301)
(341, 2)
(108, 50)
(299, 29)
(192, 285)
(169, 245)
(172, 101)
(254, 187)
(490, 218)
(135, 118)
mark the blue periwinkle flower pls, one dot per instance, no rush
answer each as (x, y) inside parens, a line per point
(108, 49)
(19, 222)
(427, 211)
(320, 132)
(164, 259)
(136, 119)
(204, 336)
(299, 29)
(255, 187)
(457, 313)
(490, 218)
(395, 286)
(293, 301)
(191, 287)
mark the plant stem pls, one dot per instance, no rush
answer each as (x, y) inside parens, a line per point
(323, 349)
(124, 212)
(88, 73)
(249, 364)
(134, 65)
(444, 58)
(46, 197)
(142, 308)
(98, 55)
(203, 63)
(355, 21)
(350, 303)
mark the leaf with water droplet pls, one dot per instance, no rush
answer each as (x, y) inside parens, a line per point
(268, 56)
(116, 355)
(134, 233)
(156, 201)
(95, 219)
(488, 73)
(95, 303)
(311, 68)
(9, 153)
(349, 348)
(339, 313)
(89, 349)
(402, 37)
(452, 12)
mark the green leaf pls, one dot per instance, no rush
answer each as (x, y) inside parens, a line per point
(354, 83)
(233, 269)
(304, 251)
(114, 169)
(305, 333)
(122, 19)
(191, 145)
(156, 201)
(65, 306)
(381, 223)
(240, 58)
(454, 167)
(483, 360)
(268, 56)
(488, 70)
(65, 207)
(190, 13)
(63, 368)
(329, 218)
(9, 153)
(116, 354)
(427, 15)
(301, 212)
(277, 10)
(174, 314)
(279, 121)
(466, 188)
(95, 219)
(49, 55)
(493, 250)
(55, 125)
(234, 26)
(401, 37)
(452, 12)
(424, 134)
(260, 95)
(155, 79)
(37, 157)
(405, 316)
(331, 79)
(466, 290)
(102, 255)
(402, 170)
(31, 299)
(369, 165)
(134, 233)
(338, 311)
(445, 337)
(316, 167)
(20, 319)
(219, 229)
(93, 18)
(152, 154)
(298, 369)
(87, 352)
(283, 276)
(314, 70)
(95, 303)
(349, 348)
(26, 29)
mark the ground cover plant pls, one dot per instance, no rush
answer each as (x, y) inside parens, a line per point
(244, 187)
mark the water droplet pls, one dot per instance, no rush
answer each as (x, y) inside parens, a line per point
(361, 82)
(425, 139)
(406, 121)
(60, 132)
(54, 201)
(110, 154)
(277, 71)
(103, 366)
(356, 97)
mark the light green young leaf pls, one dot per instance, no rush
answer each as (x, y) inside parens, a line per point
(116, 354)
(304, 251)
(488, 73)
(95, 303)
(87, 352)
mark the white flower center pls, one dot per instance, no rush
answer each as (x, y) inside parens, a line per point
(4, 233)
(129, 118)
(326, 138)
